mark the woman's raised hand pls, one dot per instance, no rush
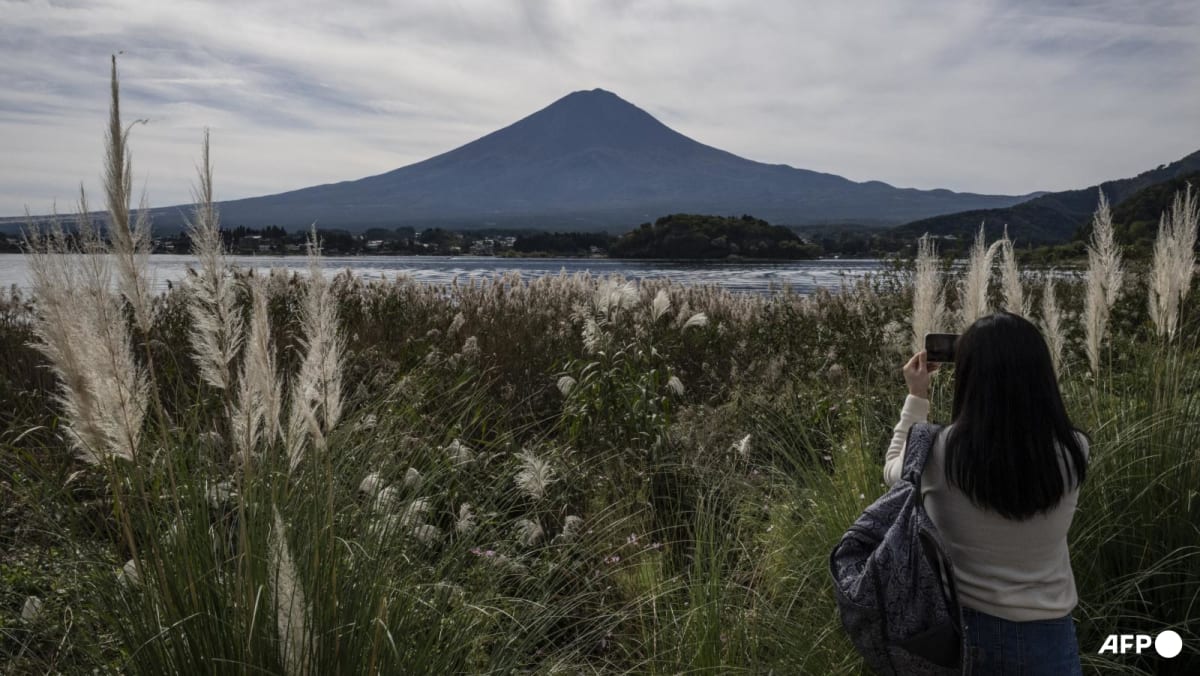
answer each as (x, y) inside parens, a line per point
(917, 373)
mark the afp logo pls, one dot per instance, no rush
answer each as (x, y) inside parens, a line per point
(1167, 644)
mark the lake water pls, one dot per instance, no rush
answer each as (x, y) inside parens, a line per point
(802, 276)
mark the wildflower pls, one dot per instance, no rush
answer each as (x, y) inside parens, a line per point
(612, 559)
(632, 539)
(535, 476)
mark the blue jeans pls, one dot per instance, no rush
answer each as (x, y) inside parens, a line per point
(1002, 647)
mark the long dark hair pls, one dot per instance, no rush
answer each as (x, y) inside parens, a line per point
(1009, 421)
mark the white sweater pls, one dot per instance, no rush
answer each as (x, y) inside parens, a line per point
(1017, 570)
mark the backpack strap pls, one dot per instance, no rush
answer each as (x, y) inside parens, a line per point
(917, 448)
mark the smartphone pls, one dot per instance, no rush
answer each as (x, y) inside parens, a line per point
(939, 347)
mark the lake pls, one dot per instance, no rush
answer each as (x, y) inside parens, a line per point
(803, 276)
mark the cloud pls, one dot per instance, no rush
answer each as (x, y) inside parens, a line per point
(989, 96)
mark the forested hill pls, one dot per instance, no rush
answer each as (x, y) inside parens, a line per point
(1136, 220)
(1053, 217)
(698, 236)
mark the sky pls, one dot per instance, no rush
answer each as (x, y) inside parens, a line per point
(985, 96)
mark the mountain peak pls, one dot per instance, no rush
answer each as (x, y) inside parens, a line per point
(590, 160)
(595, 102)
(593, 93)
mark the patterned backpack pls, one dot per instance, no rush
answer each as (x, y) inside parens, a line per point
(894, 582)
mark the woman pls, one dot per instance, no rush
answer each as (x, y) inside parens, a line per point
(1001, 484)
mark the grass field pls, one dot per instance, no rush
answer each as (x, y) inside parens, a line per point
(288, 474)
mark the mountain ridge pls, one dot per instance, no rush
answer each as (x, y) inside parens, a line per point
(1052, 217)
(588, 161)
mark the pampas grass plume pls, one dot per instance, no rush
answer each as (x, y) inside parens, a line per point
(316, 393)
(973, 288)
(1010, 279)
(1104, 280)
(216, 333)
(1174, 262)
(130, 238)
(257, 410)
(535, 476)
(1052, 323)
(929, 304)
(81, 329)
(291, 608)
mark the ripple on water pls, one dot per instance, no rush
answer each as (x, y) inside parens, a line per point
(802, 276)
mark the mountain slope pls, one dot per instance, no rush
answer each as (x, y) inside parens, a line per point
(1052, 217)
(590, 160)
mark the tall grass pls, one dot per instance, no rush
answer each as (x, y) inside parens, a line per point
(566, 474)
(1104, 282)
(1174, 262)
(973, 287)
(929, 303)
